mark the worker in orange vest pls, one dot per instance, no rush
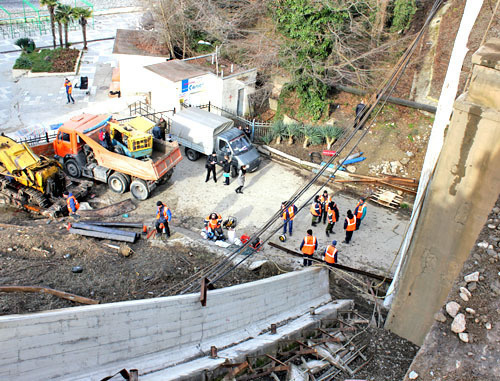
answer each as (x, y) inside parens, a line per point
(288, 214)
(163, 217)
(330, 254)
(213, 224)
(360, 211)
(324, 200)
(72, 203)
(69, 90)
(349, 226)
(308, 246)
(333, 216)
(315, 211)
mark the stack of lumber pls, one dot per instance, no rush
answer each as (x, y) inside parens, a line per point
(399, 183)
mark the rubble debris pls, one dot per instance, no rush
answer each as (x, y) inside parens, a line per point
(473, 277)
(452, 308)
(458, 324)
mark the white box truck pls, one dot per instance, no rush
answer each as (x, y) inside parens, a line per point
(202, 132)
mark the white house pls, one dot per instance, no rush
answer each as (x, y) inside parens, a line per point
(133, 52)
(169, 83)
(200, 80)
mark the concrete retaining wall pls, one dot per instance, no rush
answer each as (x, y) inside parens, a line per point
(92, 342)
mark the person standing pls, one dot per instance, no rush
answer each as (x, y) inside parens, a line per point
(162, 125)
(163, 217)
(333, 216)
(288, 214)
(69, 90)
(330, 254)
(105, 139)
(360, 211)
(308, 246)
(359, 112)
(226, 169)
(72, 203)
(315, 210)
(210, 166)
(324, 200)
(241, 179)
(349, 226)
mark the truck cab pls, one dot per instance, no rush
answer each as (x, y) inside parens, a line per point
(236, 145)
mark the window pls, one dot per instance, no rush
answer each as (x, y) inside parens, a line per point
(65, 137)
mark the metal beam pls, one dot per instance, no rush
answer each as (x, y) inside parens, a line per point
(96, 234)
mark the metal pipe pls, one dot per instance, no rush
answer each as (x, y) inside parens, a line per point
(398, 101)
(116, 223)
(96, 234)
(81, 225)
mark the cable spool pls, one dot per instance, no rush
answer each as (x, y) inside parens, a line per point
(282, 237)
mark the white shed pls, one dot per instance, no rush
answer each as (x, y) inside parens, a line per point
(199, 81)
(132, 47)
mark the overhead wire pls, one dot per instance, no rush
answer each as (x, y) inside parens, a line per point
(223, 267)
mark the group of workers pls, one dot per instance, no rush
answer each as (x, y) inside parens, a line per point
(323, 209)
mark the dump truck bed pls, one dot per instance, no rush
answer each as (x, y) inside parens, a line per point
(165, 156)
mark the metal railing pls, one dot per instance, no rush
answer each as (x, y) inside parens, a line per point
(33, 140)
(145, 110)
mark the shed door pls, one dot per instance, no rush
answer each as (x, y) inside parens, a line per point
(239, 108)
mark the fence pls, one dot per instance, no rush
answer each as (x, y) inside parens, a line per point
(31, 21)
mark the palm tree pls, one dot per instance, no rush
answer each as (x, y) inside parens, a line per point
(51, 6)
(278, 130)
(57, 17)
(292, 131)
(312, 134)
(331, 134)
(64, 15)
(82, 14)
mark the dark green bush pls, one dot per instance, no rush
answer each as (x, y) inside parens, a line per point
(23, 62)
(26, 44)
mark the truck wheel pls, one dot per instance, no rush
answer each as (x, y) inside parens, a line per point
(192, 154)
(234, 171)
(118, 182)
(71, 167)
(167, 177)
(139, 189)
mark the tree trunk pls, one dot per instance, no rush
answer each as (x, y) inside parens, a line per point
(278, 140)
(84, 31)
(53, 26)
(381, 16)
(59, 25)
(290, 140)
(66, 44)
(306, 142)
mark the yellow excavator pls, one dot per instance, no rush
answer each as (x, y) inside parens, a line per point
(31, 181)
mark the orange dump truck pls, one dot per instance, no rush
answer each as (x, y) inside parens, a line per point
(77, 148)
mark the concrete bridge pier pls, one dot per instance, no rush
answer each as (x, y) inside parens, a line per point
(464, 188)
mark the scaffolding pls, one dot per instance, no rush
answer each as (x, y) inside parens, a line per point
(32, 21)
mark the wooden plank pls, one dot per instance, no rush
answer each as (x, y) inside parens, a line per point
(46, 290)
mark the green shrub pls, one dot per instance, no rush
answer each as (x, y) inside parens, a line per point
(402, 14)
(26, 44)
(23, 62)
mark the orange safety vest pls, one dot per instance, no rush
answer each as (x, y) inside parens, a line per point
(290, 213)
(214, 223)
(351, 224)
(330, 253)
(309, 245)
(331, 216)
(69, 87)
(159, 214)
(316, 209)
(324, 200)
(361, 207)
(68, 203)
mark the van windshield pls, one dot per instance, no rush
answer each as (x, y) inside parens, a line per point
(240, 145)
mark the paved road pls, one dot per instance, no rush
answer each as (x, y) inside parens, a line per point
(36, 103)
(191, 199)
